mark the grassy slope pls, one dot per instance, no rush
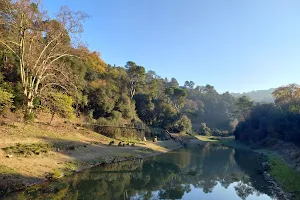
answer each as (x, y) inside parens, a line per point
(38, 150)
(285, 175)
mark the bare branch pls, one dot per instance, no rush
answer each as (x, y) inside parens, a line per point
(46, 47)
(10, 48)
(51, 84)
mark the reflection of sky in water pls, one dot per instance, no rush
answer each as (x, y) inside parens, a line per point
(206, 172)
(218, 193)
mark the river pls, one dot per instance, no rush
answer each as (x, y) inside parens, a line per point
(202, 172)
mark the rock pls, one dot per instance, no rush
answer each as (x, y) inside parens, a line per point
(9, 156)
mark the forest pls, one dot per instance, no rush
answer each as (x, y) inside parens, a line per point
(265, 124)
(45, 67)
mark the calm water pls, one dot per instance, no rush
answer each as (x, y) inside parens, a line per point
(209, 172)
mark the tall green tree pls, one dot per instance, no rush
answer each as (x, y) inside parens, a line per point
(244, 106)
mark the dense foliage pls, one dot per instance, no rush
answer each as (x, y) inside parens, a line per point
(44, 66)
(266, 123)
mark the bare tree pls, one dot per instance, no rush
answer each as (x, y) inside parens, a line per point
(39, 43)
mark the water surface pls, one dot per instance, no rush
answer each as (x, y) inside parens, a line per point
(206, 172)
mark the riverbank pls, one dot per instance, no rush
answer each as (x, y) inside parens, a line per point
(36, 153)
(280, 163)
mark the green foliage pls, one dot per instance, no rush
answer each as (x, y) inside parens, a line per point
(145, 108)
(184, 124)
(60, 104)
(244, 106)
(269, 122)
(6, 100)
(117, 95)
(116, 115)
(205, 130)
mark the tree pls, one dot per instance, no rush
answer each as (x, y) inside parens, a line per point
(173, 83)
(204, 130)
(189, 84)
(244, 106)
(287, 94)
(144, 107)
(39, 43)
(60, 104)
(137, 75)
(177, 96)
(184, 124)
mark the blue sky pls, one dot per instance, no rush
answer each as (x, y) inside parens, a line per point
(234, 45)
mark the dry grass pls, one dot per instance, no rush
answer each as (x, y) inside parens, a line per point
(66, 143)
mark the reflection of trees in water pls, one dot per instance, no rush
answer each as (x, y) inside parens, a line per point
(243, 190)
(170, 174)
(249, 163)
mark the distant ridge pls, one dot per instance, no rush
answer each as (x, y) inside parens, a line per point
(263, 96)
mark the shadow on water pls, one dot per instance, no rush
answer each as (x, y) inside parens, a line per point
(198, 171)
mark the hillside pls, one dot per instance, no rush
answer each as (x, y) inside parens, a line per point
(31, 153)
(264, 96)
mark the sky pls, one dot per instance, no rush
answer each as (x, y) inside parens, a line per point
(234, 45)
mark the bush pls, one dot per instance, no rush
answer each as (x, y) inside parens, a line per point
(204, 130)
(6, 100)
(108, 131)
(28, 149)
(116, 115)
(183, 124)
(60, 104)
(217, 132)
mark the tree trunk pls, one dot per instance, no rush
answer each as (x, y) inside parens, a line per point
(29, 105)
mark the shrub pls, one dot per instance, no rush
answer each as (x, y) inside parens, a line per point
(6, 100)
(116, 115)
(60, 104)
(204, 130)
